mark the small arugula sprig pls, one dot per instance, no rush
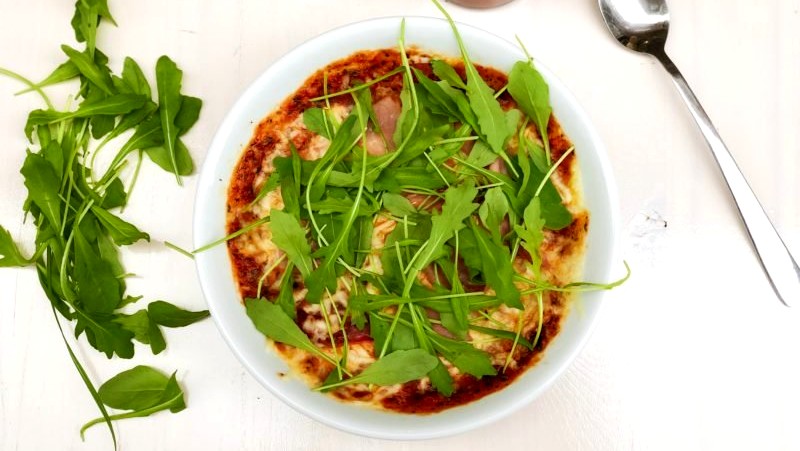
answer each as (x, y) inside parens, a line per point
(452, 257)
(143, 391)
(75, 207)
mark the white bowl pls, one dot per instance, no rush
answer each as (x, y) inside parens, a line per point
(215, 271)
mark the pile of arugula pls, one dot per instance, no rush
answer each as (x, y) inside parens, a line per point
(330, 205)
(78, 234)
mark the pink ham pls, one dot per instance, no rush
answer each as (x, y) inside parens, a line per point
(387, 110)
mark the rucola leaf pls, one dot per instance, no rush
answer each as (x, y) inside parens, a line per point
(457, 207)
(395, 368)
(290, 237)
(168, 315)
(530, 91)
(9, 253)
(275, 324)
(88, 67)
(142, 390)
(168, 82)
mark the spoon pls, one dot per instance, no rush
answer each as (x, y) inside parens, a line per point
(642, 26)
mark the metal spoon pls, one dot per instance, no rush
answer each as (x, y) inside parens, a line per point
(642, 26)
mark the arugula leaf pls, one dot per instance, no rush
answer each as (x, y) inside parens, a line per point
(143, 390)
(398, 205)
(275, 324)
(138, 323)
(135, 389)
(122, 232)
(11, 256)
(497, 268)
(144, 330)
(481, 97)
(464, 356)
(105, 335)
(168, 315)
(285, 297)
(89, 69)
(530, 91)
(65, 71)
(447, 73)
(148, 134)
(314, 120)
(168, 83)
(457, 207)
(439, 376)
(183, 161)
(290, 237)
(270, 184)
(532, 233)
(112, 105)
(449, 100)
(188, 114)
(396, 368)
(43, 185)
(98, 287)
(494, 208)
(134, 80)
(342, 142)
(157, 342)
(86, 18)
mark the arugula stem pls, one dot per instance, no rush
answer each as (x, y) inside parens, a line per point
(134, 178)
(552, 170)
(134, 414)
(233, 235)
(390, 332)
(345, 342)
(455, 140)
(491, 319)
(436, 168)
(106, 418)
(266, 273)
(488, 174)
(510, 356)
(65, 288)
(359, 87)
(329, 329)
(31, 85)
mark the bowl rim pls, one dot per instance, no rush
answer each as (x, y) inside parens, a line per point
(219, 147)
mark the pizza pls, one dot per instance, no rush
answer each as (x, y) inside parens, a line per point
(415, 219)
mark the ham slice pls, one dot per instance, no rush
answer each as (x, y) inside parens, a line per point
(387, 110)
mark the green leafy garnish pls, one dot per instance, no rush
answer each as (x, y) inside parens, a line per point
(166, 314)
(9, 253)
(77, 209)
(395, 368)
(142, 391)
(168, 81)
(274, 323)
(288, 235)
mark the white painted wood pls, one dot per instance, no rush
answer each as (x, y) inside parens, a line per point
(694, 352)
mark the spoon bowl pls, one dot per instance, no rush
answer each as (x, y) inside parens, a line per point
(640, 25)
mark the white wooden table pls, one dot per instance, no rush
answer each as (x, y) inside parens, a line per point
(694, 352)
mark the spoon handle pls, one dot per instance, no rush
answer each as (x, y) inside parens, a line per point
(775, 258)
